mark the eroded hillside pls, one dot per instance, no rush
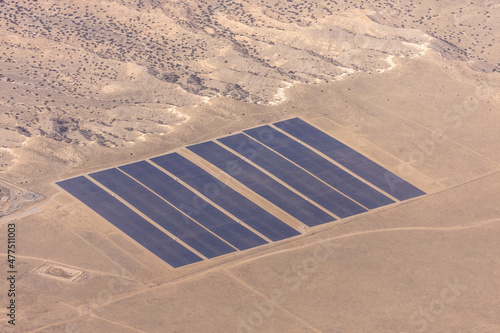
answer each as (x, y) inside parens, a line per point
(109, 72)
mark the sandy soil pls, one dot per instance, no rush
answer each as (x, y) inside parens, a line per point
(426, 265)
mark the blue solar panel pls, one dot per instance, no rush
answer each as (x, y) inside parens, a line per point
(162, 213)
(293, 175)
(262, 184)
(350, 159)
(320, 167)
(227, 198)
(207, 229)
(193, 206)
(129, 222)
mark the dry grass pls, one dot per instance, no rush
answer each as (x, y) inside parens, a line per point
(110, 84)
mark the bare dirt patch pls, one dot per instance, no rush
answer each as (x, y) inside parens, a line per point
(61, 272)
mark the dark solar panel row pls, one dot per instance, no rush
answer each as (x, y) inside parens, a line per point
(227, 198)
(193, 206)
(162, 213)
(351, 159)
(320, 167)
(129, 222)
(261, 184)
(294, 176)
(207, 229)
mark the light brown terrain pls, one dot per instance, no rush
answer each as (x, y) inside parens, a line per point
(413, 85)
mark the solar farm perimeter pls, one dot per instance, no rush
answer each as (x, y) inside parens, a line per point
(272, 183)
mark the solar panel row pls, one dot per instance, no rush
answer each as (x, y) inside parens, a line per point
(320, 167)
(227, 198)
(261, 184)
(351, 159)
(162, 213)
(129, 222)
(182, 198)
(198, 220)
(293, 175)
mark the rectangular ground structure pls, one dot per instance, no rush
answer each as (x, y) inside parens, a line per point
(182, 212)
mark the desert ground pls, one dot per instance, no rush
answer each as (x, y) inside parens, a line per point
(413, 85)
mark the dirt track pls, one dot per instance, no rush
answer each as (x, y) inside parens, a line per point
(432, 119)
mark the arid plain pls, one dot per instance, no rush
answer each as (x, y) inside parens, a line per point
(413, 85)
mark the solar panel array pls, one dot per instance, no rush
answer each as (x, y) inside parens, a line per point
(183, 214)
